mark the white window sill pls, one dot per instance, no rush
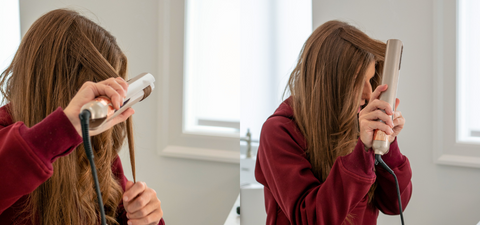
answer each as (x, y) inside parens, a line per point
(215, 155)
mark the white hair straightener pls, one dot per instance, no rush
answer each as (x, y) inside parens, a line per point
(101, 109)
(391, 72)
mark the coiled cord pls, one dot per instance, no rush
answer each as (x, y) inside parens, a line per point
(379, 160)
(84, 122)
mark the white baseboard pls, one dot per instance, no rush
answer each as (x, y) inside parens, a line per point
(458, 160)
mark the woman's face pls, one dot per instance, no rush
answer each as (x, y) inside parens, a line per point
(367, 87)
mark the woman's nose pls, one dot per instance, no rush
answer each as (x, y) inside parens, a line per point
(367, 92)
(367, 95)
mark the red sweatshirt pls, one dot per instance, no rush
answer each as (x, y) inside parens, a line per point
(293, 195)
(26, 157)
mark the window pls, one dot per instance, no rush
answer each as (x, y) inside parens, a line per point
(273, 33)
(189, 125)
(10, 33)
(468, 72)
(212, 67)
(264, 40)
(456, 81)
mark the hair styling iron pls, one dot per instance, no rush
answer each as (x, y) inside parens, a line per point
(391, 72)
(101, 109)
(96, 113)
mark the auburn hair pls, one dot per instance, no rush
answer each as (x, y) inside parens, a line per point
(61, 51)
(326, 87)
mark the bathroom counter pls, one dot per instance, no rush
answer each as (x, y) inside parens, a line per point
(233, 218)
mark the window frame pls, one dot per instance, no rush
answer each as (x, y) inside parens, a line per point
(172, 140)
(447, 150)
(15, 33)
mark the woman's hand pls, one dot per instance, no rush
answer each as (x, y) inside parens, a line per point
(372, 112)
(398, 122)
(141, 204)
(113, 88)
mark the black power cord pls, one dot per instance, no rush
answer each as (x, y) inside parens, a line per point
(379, 160)
(84, 122)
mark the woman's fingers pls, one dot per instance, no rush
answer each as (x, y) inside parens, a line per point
(120, 118)
(113, 88)
(139, 203)
(397, 114)
(114, 96)
(120, 86)
(128, 185)
(123, 83)
(370, 115)
(374, 125)
(378, 91)
(152, 219)
(376, 115)
(378, 104)
(135, 190)
(145, 210)
(397, 129)
(374, 102)
(398, 121)
(115, 84)
(99, 89)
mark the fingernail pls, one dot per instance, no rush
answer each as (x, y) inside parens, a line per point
(391, 131)
(128, 216)
(125, 198)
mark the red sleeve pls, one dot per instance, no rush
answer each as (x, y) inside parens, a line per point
(386, 198)
(27, 154)
(117, 170)
(283, 168)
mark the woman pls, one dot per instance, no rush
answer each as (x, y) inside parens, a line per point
(63, 62)
(315, 158)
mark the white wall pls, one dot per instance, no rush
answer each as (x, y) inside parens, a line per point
(191, 191)
(441, 194)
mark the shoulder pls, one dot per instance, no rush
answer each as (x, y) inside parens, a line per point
(281, 119)
(281, 127)
(279, 123)
(280, 132)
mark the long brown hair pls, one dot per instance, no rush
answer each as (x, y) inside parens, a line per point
(326, 87)
(61, 51)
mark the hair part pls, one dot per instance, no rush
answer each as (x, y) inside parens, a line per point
(61, 51)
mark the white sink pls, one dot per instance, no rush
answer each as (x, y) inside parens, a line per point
(247, 170)
(252, 205)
